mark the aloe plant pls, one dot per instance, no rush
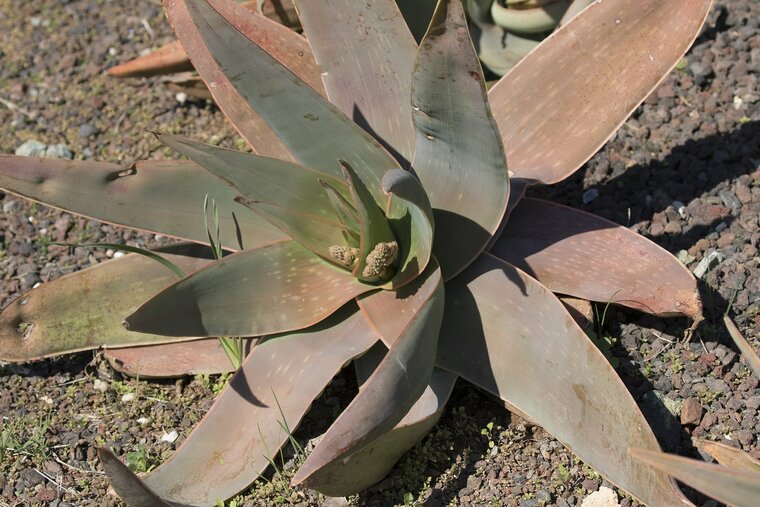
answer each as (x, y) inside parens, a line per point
(373, 228)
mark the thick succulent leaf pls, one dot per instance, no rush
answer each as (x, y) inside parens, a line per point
(374, 226)
(729, 456)
(411, 218)
(576, 253)
(165, 60)
(171, 360)
(128, 485)
(161, 196)
(287, 195)
(274, 289)
(556, 107)
(246, 425)
(746, 349)
(347, 214)
(313, 130)
(362, 469)
(367, 54)
(85, 310)
(277, 41)
(459, 158)
(399, 380)
(740, 488)
(172, 58)
(509, 335)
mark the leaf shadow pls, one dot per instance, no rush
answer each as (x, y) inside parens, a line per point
(688, 172)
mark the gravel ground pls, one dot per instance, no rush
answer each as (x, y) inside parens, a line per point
(683, 171)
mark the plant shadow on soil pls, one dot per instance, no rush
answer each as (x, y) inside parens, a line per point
(720, 157)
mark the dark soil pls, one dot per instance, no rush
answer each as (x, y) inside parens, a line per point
(683, 171)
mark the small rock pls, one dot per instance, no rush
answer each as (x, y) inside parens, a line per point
(46, 495)
(680, 208)
(99, 385)
(745, 437)
(32, 476)
(691, 412)
(128, 398)
(590, 195)
(170, 437)
(142, 421)
(685, 257)
(181, 98)
(31, 148)
(86, 130)
(753, 402)
(717, 385)
(58, 151)
(730, 199)
(590, 485)
(332, 501)
(709, 261)
(10, 206)
(605, 497)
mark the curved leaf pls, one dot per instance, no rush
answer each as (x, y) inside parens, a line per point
(172, 58)
(459, 158)
(753, 360)
(164, 60)
(398, 381)
(127, 484)
(279, 42)
(370, 465)
(171, 360)
(367, 53)
(278, 288)
(732, 486)
(43, 322)
(287, 195)
(509, 335)
(244, 428)
(576, 253)
(315, 132)
(411, 218)
(556, 107)
(161, 196)
(374, 228)
(729, 456)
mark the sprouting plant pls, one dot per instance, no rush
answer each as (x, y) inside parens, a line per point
(381, 227)
(233, 346)
(488, 433)
(602, 340)
(140, 460)
(25, 435)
